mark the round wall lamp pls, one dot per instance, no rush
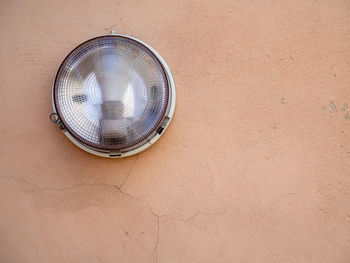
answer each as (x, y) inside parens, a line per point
(113, 96)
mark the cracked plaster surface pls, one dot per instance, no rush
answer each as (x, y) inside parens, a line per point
(253, 168)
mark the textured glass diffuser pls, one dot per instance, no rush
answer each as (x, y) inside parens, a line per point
(113, 96)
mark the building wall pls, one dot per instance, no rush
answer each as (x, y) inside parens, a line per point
(254, 166)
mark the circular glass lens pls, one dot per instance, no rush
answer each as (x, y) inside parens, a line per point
(111, 93)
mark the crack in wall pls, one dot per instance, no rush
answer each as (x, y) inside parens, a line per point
(264, 210)
(46, 188)
(131, 168)
(157, 216)
(155, 250)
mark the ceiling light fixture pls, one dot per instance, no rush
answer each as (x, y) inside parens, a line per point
(113, 96)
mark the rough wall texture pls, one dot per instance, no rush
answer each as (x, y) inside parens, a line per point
(255, 166)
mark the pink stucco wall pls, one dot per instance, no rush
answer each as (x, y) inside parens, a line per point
(255, 166)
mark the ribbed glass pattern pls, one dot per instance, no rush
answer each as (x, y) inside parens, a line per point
(111, 92)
